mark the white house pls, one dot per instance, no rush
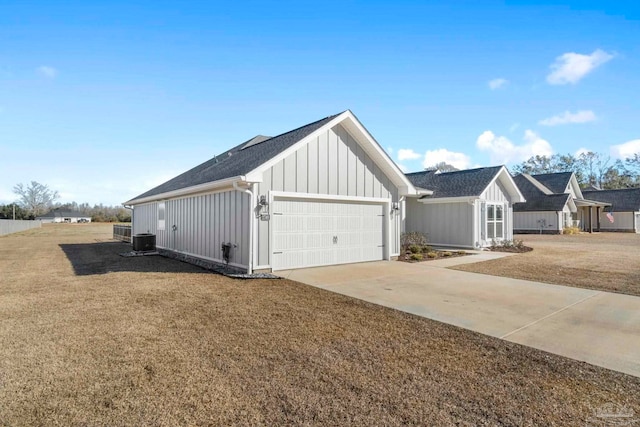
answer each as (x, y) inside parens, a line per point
(554, 201)
(624, 212)
(468, 208)
(64, 215)
(325, 193)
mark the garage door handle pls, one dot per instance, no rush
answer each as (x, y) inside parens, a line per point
(276, 253)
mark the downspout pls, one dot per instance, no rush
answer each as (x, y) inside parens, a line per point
(251, 222)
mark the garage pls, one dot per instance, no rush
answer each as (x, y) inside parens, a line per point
(310, 233)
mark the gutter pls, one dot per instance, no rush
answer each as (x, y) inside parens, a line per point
(249, 191)
(201, 188)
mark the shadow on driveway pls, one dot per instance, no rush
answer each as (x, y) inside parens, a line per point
(104, 257)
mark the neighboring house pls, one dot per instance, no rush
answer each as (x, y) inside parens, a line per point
(554, 201)
(64, 215)
(624, 209)
(468, 208)
(325, 193)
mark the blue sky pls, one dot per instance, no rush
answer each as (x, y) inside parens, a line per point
(103, 100)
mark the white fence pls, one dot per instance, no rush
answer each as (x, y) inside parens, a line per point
(8, 226)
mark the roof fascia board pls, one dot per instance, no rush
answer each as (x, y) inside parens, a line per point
(389, 166)
(350, 123)
(538, 184)
(466, 199)
(505, 177)
(576, 187)
(256, 174)
(188, 190)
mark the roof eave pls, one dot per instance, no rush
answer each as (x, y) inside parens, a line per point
(201, 188)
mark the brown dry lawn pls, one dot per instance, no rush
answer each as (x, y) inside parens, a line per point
(602, 261)
(88, 338)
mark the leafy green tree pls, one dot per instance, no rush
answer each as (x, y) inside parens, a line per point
(35, 198)
(6, 212)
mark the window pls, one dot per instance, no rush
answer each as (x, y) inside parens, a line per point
(161, 213)
(495, 222)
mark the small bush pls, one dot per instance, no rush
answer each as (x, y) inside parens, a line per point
(432, 254)
(416, 257)
(427, 249)
(461, 253)
(412, 238)
(446, 253)
(570, 230)
(415, 249)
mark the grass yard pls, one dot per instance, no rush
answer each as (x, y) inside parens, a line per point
(89, 338)
(602, 261)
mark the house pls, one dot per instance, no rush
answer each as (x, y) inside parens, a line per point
(467, 208)
(624, 211)
(64, 215)
(325, 193)
(554, 201)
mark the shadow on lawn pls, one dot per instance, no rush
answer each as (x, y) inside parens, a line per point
(104, 257)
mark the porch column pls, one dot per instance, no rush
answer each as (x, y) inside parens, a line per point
(590, 220)
(598, 218)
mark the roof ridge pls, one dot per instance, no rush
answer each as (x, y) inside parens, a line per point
(540, 186)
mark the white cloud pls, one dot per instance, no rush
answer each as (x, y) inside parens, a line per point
(626, 150)
(407, 154)
(580, 151)
(582, 116)
(497, 83)
(47, 71)
(458, 160)
(502, 150)
(571, 67)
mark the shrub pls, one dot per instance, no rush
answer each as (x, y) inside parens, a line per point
(415, 249)
(570, 230)
(461, 253)
(416, 257)
(427, 249)
(412, 238)
(432, 254)
(446, 253)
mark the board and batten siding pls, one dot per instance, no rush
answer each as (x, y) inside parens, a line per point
(528, 221)
(202, 223)
(332, 164)
(445, 224)
(622, 221)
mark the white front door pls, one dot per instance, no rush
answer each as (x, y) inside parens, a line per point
(309, 233)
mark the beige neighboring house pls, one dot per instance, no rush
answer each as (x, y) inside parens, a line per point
(555, 201)
(64, 215)
(624, 212)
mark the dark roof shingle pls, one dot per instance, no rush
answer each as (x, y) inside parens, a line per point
(536, 200)
(556, 182)
(237, 161)
(465, 183)
(627, 199)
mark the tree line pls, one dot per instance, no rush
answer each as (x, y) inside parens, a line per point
(37, 199)
(591, 169)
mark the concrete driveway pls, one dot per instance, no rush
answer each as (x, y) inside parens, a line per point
(597, 327)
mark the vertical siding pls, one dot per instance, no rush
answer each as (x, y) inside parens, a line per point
(202, 224)
(495, 193)
(331, 164)
(527, 221)
(621, 221)
(443, 223)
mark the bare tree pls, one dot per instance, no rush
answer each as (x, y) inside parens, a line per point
(442, 167)
(36, 198)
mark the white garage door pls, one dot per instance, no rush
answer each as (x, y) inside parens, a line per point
(308, 233)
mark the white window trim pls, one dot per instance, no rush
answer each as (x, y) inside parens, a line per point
(495, 221)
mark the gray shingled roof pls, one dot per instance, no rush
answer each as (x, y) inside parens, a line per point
(237, 161)
(556, 182)
(465, 183)
(536, 200)
(627, 199)
(63, 213)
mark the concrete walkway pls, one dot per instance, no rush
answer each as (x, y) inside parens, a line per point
(597, 327)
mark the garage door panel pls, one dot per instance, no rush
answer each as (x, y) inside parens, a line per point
(313, 233)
